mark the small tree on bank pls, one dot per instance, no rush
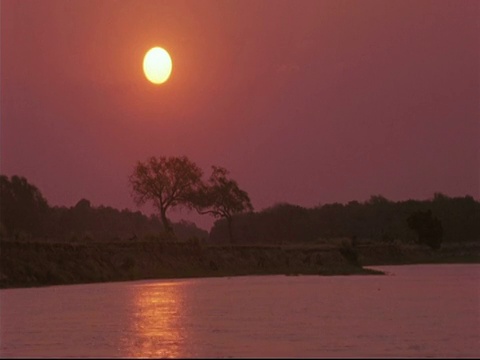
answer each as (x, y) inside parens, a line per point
(166, 181)
(428, 228)
(221, 197)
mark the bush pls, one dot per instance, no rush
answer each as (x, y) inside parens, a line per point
(350, 252)
(428, 228)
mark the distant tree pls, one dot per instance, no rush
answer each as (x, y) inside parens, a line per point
(22, 206)
(83, 205)
(377, 200)
(167, 182)
(428, 228)
(438, 196)
(222, 198)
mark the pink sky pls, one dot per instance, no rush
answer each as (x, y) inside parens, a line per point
(305, 102)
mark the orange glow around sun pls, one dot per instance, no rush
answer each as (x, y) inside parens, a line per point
(157, 65)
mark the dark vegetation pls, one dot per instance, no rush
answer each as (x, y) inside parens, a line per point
(36, 264)
(222, 198)
(42, 244)
(25, 214)
(428, 228)
(433, 222)
(169, 182)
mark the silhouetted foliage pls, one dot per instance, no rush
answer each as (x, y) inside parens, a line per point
(222, 198)
(428, 228)
(350, 251)
(25, 213)
(22, 206)
(167, 182)
(377, 220)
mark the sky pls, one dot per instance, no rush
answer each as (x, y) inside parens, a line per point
(304, 102)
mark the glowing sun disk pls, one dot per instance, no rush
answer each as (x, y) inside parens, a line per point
(157, 65)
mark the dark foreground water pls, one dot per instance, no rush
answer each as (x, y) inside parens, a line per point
(415, 311)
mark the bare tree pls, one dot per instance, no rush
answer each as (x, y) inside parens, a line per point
(167, 182)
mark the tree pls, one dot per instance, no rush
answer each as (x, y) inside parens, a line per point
(22, 206)
(167, 182)
(222, 198)
(428, 228)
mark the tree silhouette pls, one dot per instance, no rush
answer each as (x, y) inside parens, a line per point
(222, 198)
(428, 228)
(22, 206)
(167, 182)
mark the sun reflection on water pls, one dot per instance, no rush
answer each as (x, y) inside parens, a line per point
(157, 330)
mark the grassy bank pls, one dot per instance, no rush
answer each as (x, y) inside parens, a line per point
(403, 254)
(25, 264)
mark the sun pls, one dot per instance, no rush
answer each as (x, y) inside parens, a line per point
(157, 65)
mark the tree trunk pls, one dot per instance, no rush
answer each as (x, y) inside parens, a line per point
(166, 223)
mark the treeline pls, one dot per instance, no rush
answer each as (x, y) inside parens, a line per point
(26, 214)
(378, 219)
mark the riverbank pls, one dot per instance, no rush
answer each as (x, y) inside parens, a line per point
(405, 254)
(26, 264)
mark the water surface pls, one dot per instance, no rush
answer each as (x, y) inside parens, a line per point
(414, 311)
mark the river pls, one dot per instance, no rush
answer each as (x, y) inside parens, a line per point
(413, 311)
